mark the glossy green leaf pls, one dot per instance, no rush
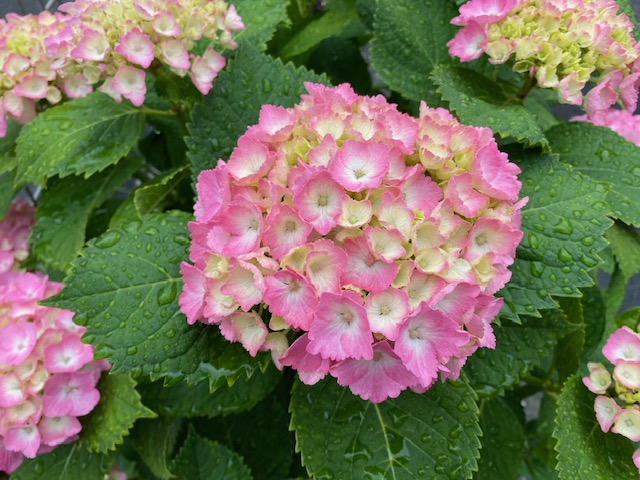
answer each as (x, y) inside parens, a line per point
(8, 147)
(155, 441)
(124, 287)
(150, 196)
(408, 44)
(519, 348)
(584, 451)
(434, 435)
(563, 223)
(83, 136)
(248, 433)
(7, 191)
(260, 20)
(570, 347)
(184, 401)
(478, 101)
(201, 459)
(65, 207)
(503, 442)
(69, 461)
(605, 156)
(595, 319)
(111, 420)
(248, 82)
(330, 22)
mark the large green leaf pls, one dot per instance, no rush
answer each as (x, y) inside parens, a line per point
(563, 223)
(503, 442)
(124, 288)
(260, 19)
(202, 459)
(184, 401)
(248, 82)
(568, 355)
(478, 101)
(519, 348)
(584, 451)
(65, 207)
(155, 440)
(6, 191)
(113, 417)
(153, 194)
(82, 136)
(8, 147)
(247, 434)
(603, 155)
(66, 462)
(409, 42)
(434, 435)
(332, 21)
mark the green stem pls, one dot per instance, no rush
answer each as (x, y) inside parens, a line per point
(529, 83)
(547, 386)
(152, 112)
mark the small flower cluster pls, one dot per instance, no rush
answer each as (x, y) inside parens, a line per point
(47, 375)
(623, 122)
(379, 237)
(623, 416)
(110, 42)
(15, 229)
(559, 43)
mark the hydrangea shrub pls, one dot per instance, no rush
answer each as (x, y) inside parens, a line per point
(319, 240)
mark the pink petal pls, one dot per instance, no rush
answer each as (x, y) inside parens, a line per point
(23, 439)
(136, 47)
(17, 342)
(340, 329)
(360, 165)
(622, 345)
(386, 311)
(174, 54)
(56, 430)
(311, 368)
(320, 202)
(288, 294)
(71, 394)
(364, 270)
(468, 42)
(250, 160)
(382, 377)
(67, 356)
(191, 299)
(285, 231)
(606, 412)
(130, 83)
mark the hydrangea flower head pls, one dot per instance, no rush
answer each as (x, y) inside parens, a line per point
(561, 44)
(108, 44)
(378, 239)
(48, 376)
(617, 405)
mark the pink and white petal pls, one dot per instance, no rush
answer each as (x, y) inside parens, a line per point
(288, 294)
(165, 24)
(636, 459)
(386, 311)
(285, 231)
(11, 390)
(275, 123)
(9, 461)
(465, 200)
(494, 175)
(382, 377)
(355, 213)
(360, 165)
(468, 42)
(340, 329)
(174, 54)
(240, 284)
(364, 270)
(248, 329)
(427, 340)
(606, 411)
(320, 201)
(56, 430)
(490, 235)
(250, 160)
(385, 244)
(420, 192)
(92, 46)
(130, 83)
(628, 374)
(136, 47)
(277, 343)
(394, 213)
(25, 440)
(67, 356)
(191, 299)
(17, 342)
(627, 423)
(622, 345)
(31, 86)
(311, 368)
(72, 394)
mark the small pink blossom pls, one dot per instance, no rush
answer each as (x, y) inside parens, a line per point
(136, 47)
(623, 345)
(130, 83)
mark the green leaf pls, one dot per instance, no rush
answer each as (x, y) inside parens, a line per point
(64, 209)
(124, 288)
(519, 348)
(584, 451)
(594, 311)
(201, 459)
(605, 156)
(328, 24)
(83, 136)
(503, 442)
(260, 20)
(478, 101)
(184, 401)
(248, 82)
(7, 191)
(151, 195)
(625, 243)
(409, 43)
(69, 461)
(563, 223)
(8, 147)
(541, 459)
(111, 420)
(155, 440)
(247, 434)
(570, 348)
(434, 435)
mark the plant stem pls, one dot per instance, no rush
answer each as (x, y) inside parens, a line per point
(152, 112)
(529, 83)
(545, 385)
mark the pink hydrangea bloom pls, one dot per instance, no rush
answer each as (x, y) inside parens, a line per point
(108, 42)
(623, 122)
(385, 267)
(48, 376)
(561, 45)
